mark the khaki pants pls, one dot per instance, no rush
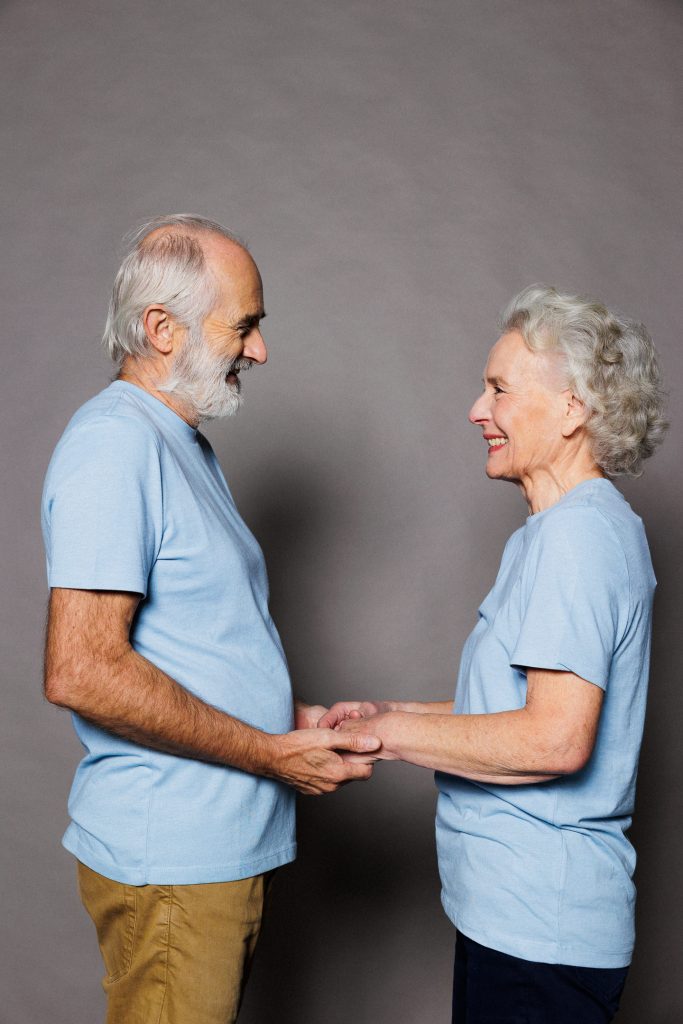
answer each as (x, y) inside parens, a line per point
(174, 954)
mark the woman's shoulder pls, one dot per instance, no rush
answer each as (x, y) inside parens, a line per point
(595, 531)
(577, 532)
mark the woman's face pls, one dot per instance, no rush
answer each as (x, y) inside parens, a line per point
(523, 411)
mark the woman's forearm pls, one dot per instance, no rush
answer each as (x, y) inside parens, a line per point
(414, 707)
(499, 748)
(552, 735)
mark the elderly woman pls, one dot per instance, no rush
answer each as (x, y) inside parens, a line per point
(536, 761)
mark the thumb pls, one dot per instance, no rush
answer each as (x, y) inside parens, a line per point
(356, 741)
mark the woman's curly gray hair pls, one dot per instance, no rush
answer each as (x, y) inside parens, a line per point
(611, 365)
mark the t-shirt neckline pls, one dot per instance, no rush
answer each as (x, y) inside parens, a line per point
(174, 421)
(584, 485)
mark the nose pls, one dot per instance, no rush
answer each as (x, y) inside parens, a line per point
(255, 347)
(480, 410)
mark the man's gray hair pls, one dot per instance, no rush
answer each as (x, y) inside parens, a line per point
(610, 364)
(170, 270)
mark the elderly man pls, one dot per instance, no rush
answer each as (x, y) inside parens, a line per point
(160, 641)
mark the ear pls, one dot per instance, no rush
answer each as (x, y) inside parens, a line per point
(160, 328)
(575, 414)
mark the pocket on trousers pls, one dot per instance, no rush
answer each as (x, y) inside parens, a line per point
(111, 906)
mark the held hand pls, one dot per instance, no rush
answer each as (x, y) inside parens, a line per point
(307, 716)
(311, 760)
(345, 710)
(378, 725)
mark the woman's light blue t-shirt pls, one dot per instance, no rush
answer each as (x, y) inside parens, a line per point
(544, 871)
(135, 500)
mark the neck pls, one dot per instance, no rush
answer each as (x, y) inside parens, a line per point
(149, 378)
(546, 486)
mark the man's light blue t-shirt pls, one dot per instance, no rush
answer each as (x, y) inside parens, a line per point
(135, 500)
(544, 871)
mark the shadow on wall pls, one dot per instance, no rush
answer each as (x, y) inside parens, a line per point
(657, 832)
(363, 895)
(361, 898)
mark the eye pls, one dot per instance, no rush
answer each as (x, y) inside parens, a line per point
(497, 390)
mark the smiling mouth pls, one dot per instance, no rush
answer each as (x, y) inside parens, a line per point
(495, 443)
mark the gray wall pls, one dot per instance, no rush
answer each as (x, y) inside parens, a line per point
(400, 169)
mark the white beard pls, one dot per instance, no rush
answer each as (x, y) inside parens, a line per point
(198, 379)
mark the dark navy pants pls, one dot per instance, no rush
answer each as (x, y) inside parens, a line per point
(493, 988)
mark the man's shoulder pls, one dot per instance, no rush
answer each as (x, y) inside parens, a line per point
(109, 433)
(111, 418)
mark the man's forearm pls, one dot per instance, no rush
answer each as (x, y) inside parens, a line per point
(135, 699)
(91, 667)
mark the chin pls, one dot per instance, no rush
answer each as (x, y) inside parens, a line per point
(220, 407)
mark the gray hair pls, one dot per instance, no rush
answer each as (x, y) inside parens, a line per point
(611, 365)
(171, 270)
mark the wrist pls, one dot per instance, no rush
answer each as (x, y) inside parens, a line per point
(400, 706)
(266, 754)
(391, 727)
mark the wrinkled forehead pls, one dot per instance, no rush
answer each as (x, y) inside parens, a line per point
(511, 361)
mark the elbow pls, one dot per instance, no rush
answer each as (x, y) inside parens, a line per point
(577, 760)
(55, 690)
(59, 690)
(567, 758)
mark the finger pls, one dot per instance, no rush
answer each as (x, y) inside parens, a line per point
(355, 741)
(354, 714)
(350, 758)
(358, 772)
(330, 720)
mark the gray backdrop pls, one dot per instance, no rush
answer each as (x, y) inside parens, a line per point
(400, 169)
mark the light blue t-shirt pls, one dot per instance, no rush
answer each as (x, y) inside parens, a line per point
(544, 871)
(134, 500)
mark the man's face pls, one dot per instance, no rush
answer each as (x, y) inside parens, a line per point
(206, 370)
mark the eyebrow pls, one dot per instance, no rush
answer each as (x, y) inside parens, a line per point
(495, 380)
(251, 320)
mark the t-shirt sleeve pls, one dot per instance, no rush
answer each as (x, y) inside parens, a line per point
(103, 506)
(574, 596)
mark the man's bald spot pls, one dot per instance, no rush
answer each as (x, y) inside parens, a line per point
(170, 237)
(222, 257)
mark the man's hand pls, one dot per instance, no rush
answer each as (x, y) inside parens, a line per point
(307, 716)
(311, 762)
(349, 710)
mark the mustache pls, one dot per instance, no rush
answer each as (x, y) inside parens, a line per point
(239, 364)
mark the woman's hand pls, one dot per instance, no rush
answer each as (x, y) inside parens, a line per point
(307, 716)
(351, 710)
(379, 724)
